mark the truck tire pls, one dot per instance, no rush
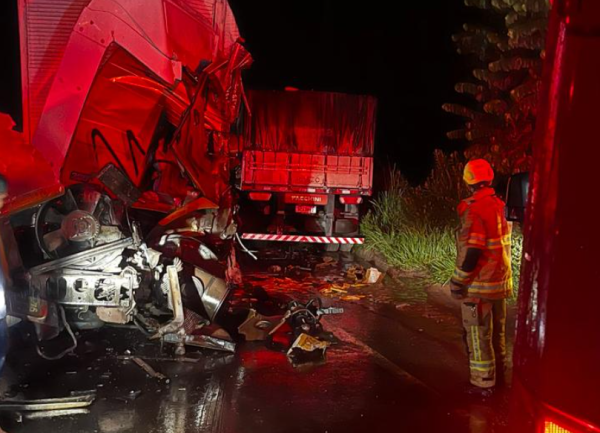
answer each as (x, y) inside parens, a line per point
(346, 248)
(332, 248)
(351, 230)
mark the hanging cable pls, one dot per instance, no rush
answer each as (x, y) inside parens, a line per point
(69, 331)
(246, 250)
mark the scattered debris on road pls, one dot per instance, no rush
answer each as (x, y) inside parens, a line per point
(327, 263)
(258, 327)
(75, 404)
(50, 414)
(274, 269)
(148, 369)
(160, 359)
(49, 404)
(355, 273)
(372, 276)
(307, 349)
(203, 341)
(131, 395)
(352, 297)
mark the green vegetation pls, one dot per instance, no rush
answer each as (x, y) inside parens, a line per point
(499, 101)
(414, 227)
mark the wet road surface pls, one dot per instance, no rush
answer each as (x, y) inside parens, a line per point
(388, 372)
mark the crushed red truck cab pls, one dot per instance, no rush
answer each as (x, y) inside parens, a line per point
(128, 109)
(309, 153)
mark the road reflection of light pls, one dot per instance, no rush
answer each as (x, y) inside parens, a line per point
(173, 410)
(240, 377)
(480, 418)
(209, 407)
(193, 406)
(117, 421)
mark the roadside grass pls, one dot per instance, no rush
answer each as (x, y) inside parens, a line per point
(413, 228)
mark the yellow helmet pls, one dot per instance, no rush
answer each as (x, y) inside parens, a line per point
(478, 170)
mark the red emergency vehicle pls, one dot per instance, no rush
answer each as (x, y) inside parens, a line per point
(557, 350)
(308, 154)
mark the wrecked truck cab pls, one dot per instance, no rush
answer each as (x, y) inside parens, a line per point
(151, 87)
(132, 122)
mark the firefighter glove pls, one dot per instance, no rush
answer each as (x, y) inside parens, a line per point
(457, 290)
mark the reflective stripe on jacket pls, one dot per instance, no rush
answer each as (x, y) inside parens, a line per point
(484, 226)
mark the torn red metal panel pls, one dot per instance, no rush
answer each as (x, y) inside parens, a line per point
(201, 143)
(193, 148)
(225, 92)
(198, 204)
(136, 27)
(110, 78)
(119, 119)
(31, 179)
(188, 35)
(219, 14)
(156, 33)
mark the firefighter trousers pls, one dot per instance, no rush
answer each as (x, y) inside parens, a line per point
(485, 325)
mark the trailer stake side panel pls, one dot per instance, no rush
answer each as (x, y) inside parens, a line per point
(296, 172)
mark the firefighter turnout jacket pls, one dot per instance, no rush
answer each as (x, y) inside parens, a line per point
(484, 226)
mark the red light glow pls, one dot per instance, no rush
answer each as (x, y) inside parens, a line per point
(551, 427)
(351, 200)
(260, 196)
(560, 422)
(307, 210)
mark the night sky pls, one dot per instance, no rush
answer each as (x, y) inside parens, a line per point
(400, 52)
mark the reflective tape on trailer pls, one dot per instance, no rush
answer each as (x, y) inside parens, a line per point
(302, 238)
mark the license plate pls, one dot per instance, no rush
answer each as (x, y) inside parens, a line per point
(308, 210)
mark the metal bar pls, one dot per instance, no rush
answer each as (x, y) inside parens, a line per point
(207, 342)
(78, 257)
(55, 413)
(152, 372)
(160, 359)
(48, 403)
(176, 302)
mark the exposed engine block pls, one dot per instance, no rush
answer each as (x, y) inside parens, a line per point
(93, 275)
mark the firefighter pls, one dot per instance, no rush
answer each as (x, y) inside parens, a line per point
(483, 275)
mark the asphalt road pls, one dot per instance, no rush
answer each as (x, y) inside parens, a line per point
(391, 369)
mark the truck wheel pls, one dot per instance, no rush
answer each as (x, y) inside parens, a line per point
(346, 248)
(332, 248)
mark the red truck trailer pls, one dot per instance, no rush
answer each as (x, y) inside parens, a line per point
(307, 163)
(556, 385)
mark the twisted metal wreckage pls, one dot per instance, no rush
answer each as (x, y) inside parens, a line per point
(120, 208)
